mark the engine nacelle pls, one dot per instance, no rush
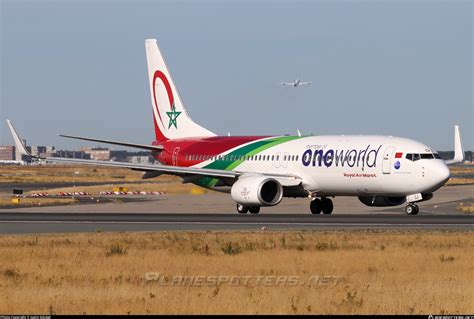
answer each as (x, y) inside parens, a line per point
(381, 201)
(257, 191)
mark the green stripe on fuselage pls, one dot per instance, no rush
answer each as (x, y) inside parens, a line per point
(247, 150)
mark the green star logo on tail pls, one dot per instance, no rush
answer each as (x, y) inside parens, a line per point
(173, 115)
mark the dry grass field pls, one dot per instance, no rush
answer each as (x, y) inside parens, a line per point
(463, 169)
(466, 208)
(366, 272)
(105, 179)
(66, 174)
(7, 202)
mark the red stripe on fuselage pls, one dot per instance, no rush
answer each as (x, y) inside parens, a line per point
(214, 145)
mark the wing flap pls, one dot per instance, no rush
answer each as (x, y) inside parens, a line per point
(154, 170)
(175, 170)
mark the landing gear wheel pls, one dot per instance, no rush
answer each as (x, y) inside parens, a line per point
(254, 209)
(315, 206)
(241, 209)
(326, 206)
(412, 209)
(417, 209)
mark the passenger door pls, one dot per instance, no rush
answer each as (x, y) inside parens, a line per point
(284, 162)
(175, 156)
(387, 160)
(277, 160)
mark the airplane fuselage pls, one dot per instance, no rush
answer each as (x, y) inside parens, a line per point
(328, 165)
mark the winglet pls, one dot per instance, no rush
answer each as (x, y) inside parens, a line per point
(458, 149)
(18, 142)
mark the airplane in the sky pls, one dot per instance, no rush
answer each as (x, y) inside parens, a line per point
(259, 171)
(295, 83)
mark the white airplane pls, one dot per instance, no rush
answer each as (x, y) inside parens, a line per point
(295, 83)
(259, 171)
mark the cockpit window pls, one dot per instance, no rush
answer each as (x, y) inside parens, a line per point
(427, 156)
(417, 156)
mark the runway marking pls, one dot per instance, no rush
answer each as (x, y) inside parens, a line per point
(228, 223)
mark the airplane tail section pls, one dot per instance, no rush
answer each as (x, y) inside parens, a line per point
(170, 117)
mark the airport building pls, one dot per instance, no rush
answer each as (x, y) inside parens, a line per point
(13, 154)
(98, 153)
(72, 154)
(7, 153)
(119, 156)
(41, 151)
(141, 159)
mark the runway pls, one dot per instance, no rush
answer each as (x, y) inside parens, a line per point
(18, 223)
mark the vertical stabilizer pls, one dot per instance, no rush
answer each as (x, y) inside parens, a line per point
(170, 117)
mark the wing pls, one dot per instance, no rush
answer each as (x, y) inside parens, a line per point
(141, 146)
(284, 180)
(154, 169)
(174, 170)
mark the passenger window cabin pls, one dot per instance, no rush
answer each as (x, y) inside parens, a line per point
(228, 157)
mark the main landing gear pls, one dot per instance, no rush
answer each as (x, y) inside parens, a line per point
(412, 209)
(324, 204)
(241, 209)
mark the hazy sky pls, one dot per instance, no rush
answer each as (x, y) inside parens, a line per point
(399, 68)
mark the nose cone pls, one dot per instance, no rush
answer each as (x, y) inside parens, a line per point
(439, 175)
(443, 173)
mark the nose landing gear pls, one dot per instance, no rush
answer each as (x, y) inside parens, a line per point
(412, 209)
(242, 209)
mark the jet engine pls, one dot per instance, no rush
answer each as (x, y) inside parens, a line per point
(380, 201)
(257, 191)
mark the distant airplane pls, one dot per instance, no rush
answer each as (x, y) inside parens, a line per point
(295, 83)
(259, 171)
